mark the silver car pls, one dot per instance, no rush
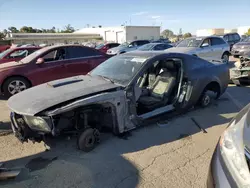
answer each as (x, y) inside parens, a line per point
(230, 163)
(209, 48)
(127, 47)
(241, 48)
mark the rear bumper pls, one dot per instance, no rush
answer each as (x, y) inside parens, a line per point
(239, 52)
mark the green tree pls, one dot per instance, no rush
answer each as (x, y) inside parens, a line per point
(13, 29)
(167, 33)
(2, 35)
(68, 29)
(186, 35)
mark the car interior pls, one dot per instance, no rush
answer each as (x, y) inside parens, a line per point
(159, 85)
(55, 55)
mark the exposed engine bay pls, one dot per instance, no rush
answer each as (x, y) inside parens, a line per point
(95, 116)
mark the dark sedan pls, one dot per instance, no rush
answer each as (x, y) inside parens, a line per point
(47, 64)
(241, 48)
(230, 163)
(121, 94)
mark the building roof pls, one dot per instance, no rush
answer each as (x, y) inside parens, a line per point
(13, 36)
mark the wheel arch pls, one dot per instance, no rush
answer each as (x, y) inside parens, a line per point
(226, 52)
(213, 86)
(20, 76)
(115, 125)
(97, 107)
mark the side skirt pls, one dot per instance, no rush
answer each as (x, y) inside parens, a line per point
(157, 112)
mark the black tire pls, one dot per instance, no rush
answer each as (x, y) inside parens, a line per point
(225, 55)
(87, 140)
(205, 99)
(23, 83)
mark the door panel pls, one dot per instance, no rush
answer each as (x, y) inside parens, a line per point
(48, 71)
(83, 60)
(206, 52)
(82, 66)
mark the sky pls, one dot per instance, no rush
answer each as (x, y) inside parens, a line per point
(189, 15)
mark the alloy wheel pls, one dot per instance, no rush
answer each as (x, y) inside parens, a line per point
(16, 86)
(225, 58)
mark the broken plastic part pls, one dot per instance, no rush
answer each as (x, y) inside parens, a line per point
(8, 173)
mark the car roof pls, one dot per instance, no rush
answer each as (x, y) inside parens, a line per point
(28, 47)
(44, 49)
(155, 43)
(203, 37)
(152, 54)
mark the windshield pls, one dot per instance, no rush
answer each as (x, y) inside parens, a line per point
(190, 42)
(146, 47)
(99, 46)
(246, 39)
(119, 69)
(4, 53)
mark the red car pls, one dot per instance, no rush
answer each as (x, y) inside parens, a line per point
(4, 47)
(105, 47)
(46, 64)
(16, 54)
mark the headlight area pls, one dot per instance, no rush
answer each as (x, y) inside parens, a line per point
(232, 154)
(41, 124)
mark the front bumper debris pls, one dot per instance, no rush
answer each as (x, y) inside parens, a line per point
(21, 130)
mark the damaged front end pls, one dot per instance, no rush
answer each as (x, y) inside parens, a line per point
(241, 71)
(30, 127)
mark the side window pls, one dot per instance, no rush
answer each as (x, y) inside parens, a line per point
(159, 47)
(31, 51)
(216, 41)
(237, 37)
(230, 38)
(206, 42)
(78, 52)
(113, 45)
(18, 54)
(226, 38)
(55, 55)
(165, 46)
(143, 42)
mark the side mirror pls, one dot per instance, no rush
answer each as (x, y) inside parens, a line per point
(40, 61)
(204, 45)
(130, 46)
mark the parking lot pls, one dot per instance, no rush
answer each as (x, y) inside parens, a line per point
(171, 153)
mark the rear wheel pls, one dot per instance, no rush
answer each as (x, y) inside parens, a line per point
(15, 85)
(205, 100)
(225, 57)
